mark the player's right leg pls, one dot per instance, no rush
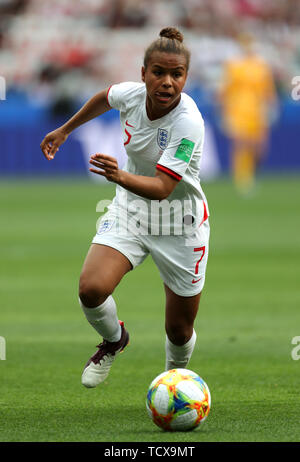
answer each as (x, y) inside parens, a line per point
(102, 271)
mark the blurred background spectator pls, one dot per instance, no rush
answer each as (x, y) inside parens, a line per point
(248, 101)
(55, 54)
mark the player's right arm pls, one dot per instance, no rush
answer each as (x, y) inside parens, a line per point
(94, 107)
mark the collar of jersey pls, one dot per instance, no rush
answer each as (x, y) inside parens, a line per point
(157, 122)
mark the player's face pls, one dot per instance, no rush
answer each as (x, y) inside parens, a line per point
(164, 76)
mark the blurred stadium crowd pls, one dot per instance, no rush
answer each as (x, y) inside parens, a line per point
(66, 50)
(55, 54)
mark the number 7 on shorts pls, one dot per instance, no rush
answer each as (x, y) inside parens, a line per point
(202, 250)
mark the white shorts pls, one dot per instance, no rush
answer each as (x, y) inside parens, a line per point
(180, 259)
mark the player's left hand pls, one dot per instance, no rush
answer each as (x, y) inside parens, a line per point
(106, 166)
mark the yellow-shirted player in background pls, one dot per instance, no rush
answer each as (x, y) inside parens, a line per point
(247, 97)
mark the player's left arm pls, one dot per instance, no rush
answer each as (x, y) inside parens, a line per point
(155, 188)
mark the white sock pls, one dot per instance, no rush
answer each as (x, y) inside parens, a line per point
(178, 356)
(104, 319)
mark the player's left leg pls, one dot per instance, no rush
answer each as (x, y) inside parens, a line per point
(182, 261)
(179, 323)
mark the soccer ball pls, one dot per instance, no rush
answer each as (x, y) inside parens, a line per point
(178, 400)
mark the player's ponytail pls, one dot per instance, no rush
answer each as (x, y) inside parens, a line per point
(170, 41)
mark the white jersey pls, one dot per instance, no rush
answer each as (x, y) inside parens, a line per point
(172, 144)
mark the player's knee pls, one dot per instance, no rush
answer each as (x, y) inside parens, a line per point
(91, 293)
(179, 334)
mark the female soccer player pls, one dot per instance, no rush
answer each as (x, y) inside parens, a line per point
(163, 136)
(248, 98)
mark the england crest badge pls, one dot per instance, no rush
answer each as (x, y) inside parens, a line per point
(104, 226)
(162, 138)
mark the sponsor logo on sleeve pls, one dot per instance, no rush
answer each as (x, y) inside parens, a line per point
(185, 150)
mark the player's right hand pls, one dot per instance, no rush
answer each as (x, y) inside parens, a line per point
(52, 141)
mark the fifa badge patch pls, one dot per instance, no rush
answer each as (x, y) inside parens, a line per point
(185, 150)
(162, 138)
(104, 226)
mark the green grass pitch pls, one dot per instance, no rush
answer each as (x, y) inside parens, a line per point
(248, 316)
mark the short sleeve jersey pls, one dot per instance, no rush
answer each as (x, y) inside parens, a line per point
(172, 144)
